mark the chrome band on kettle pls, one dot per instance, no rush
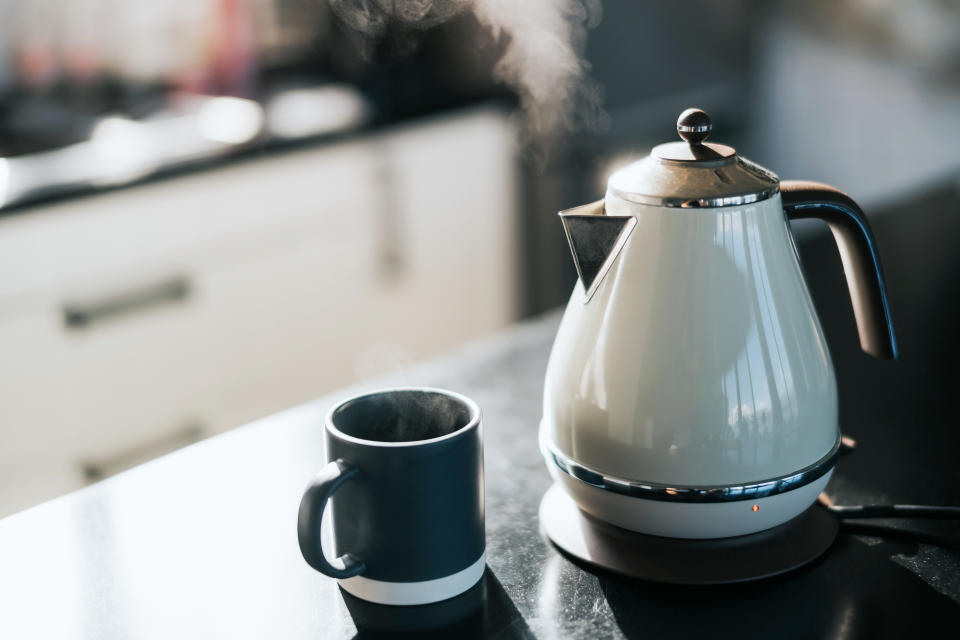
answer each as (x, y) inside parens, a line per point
(680, 493)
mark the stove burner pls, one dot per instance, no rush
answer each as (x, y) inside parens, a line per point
(677, 561)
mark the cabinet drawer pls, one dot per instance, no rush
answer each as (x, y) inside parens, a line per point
(204, 221)
(105, 374)
(129, 375)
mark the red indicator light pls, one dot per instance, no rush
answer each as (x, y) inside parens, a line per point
(755, 507)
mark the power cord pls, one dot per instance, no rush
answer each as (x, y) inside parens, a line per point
(850, 512)
(862, 511)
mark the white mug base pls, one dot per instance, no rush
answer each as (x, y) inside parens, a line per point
(413, 593)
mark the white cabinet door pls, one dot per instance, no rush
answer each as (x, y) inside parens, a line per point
(428, 261)
(450, 187)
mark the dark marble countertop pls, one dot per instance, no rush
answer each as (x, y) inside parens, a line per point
(202, 543)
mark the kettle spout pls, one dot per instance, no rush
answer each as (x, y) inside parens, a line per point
(595, 240)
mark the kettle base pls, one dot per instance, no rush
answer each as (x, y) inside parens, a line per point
(685, 561)
(690, 519)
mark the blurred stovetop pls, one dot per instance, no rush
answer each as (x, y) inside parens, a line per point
(79, 134)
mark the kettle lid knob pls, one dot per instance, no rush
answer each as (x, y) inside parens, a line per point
(694, 126)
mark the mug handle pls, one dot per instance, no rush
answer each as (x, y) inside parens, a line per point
(312, 504)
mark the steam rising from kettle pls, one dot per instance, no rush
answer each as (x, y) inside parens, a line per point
(541, 58)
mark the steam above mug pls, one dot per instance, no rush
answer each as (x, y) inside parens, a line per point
(690, 391)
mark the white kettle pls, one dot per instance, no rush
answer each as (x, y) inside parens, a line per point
(690, 391)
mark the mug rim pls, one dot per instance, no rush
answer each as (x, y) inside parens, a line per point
(473, 407)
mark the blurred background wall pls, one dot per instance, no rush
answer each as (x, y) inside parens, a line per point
(211, 210)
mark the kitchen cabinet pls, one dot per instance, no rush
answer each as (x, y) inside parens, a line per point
(136, 321)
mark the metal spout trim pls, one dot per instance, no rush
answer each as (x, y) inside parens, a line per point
(595, 240)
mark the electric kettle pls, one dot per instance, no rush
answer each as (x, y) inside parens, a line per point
(690, 391)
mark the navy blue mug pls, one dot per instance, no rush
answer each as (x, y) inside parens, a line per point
(404, 484)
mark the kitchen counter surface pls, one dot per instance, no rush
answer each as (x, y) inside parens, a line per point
(202, 543)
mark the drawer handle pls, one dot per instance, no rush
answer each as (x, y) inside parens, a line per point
(83, 314)
(98, 469)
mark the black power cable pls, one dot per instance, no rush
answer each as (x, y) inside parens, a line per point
(848, 512)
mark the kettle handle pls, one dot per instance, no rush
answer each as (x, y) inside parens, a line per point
(858, 251)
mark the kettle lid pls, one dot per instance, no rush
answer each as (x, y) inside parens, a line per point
(693, 173)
